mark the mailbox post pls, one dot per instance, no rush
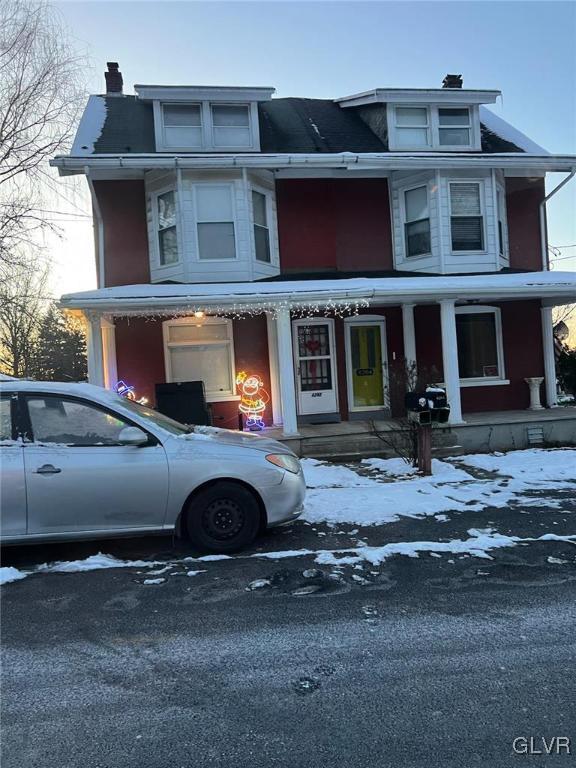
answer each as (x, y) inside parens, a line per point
(425, 409)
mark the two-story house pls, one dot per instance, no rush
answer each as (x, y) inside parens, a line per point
(322, 244)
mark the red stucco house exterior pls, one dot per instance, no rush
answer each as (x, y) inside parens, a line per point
(324, 245)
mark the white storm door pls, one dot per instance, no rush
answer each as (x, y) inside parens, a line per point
(315, 363)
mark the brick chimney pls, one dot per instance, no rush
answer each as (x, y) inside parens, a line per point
(452, 81)
(114, 81)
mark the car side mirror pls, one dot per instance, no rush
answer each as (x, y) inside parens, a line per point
(132, 436)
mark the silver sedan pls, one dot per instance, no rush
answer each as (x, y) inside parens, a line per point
(78, 461)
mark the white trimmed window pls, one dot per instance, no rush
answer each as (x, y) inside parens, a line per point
(466, 216)
(454, 127)
(416, 221)
(412, 127)
(261, 227)
(166, 228)
(201, 350)
(231, 125)
(215, 221)
(182, 125)
(480, 347)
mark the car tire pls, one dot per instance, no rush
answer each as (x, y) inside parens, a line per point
(223, 518)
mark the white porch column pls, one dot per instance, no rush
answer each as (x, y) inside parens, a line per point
(109, 353)
(409, 335)
(549, 357)
(450, 359)
(286, 372)
(274, 373)
(94, 350)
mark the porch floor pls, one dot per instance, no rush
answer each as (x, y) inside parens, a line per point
(481, 432)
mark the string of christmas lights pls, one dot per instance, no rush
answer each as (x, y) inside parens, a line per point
(298, 310)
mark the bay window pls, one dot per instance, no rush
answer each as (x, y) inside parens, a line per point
(182, 125)
(454, 127)
(479, 339)
(215, 221)
(416, 221)
(201, 350)
(231, 125)
(261, 229)
(412, 128)
(466, 219)
(166, 228)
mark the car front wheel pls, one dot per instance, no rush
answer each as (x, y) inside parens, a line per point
(223, 518)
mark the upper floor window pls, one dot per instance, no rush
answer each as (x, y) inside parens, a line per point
(501, 212)
(416, 221)
(261, 228)
(416, 127)
(166, 224)
(231, 125)
(454, 127)
(182, 125)
(215, 221)
(466, 218)
(412, 127)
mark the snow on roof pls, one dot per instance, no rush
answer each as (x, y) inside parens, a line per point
(90, 127)
(532, 283)
(501, 128)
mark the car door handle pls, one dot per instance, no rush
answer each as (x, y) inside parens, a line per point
(48, 469)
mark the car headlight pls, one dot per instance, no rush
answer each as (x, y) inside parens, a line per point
(284, 461)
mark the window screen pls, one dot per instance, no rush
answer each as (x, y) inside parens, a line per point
(231, 125)
(215, 221)
(466, 217)
(182, 125)
(412, 126)
(454, 127)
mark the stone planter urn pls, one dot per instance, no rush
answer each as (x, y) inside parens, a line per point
(534, 383)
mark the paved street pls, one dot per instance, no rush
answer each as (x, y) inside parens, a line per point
(440, 660)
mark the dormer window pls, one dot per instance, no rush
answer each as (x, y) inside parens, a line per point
(420, 127)
(182, 125)
(412, 127)
(454, 127)
(231, 125)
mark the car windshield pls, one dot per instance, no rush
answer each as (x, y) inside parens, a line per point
(170, 425)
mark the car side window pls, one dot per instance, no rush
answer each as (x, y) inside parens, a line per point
(71, 422)
(5, 419)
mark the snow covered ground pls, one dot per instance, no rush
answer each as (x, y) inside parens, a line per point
(380, 491)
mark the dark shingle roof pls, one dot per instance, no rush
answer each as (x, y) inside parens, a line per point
(286, 125)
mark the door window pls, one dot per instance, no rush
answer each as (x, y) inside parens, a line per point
(366, 359)
(71, 422)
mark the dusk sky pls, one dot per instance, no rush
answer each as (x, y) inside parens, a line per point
(327, 50)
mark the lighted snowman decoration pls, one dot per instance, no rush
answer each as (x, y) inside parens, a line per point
(253, 399)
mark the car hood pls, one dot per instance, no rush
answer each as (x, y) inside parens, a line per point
(234, 437)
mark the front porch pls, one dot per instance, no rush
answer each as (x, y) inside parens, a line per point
(326, 351)
(482, 432)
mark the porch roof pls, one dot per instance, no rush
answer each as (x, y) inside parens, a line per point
(552, 287)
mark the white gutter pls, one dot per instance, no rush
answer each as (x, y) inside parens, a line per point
(99, 237)
(344, 160)
(544, 220)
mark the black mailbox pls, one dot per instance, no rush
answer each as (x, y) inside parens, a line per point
(428, 407)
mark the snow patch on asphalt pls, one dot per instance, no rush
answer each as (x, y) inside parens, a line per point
(9, 574)
(95, 563)
(534, 464)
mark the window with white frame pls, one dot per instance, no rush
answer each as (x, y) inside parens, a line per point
(231, 125)
(215, 221)
(466, 217)
(166, 226)
(182, 125)
(412, 127)
(479, 339)
(454, 127)
(416, 221)
(501, 211)
(261, 228)
(201, 350)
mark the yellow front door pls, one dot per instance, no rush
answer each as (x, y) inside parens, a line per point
(367, 365)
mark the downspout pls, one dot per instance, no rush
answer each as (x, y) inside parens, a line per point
(99, 234)
(543, 220)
